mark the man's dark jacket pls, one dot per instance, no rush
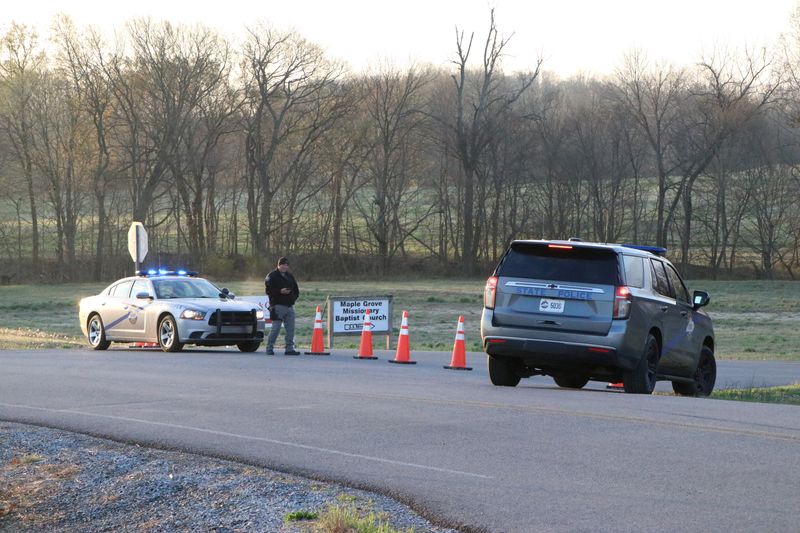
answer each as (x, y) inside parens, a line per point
(274, 282)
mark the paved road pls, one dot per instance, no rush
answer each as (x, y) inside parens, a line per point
(526, 459)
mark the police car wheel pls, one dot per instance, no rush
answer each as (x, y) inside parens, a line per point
(705, 376)
(571, 381)
(250, 346)
(97, 333)
(642, 378)
(168, 335)
(502, 372)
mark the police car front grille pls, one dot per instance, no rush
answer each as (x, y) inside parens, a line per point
(232, 318)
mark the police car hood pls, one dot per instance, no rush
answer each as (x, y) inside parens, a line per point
(213, 304)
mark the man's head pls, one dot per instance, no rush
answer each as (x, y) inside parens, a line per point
(283, 264)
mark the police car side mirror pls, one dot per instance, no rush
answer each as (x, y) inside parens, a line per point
(143, 296)
(700, 299)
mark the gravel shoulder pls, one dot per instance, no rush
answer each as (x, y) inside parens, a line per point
(53, 480)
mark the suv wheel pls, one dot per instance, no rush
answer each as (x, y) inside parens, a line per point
(501, 372)
(642, 379)
(571, 381)
(705, 376)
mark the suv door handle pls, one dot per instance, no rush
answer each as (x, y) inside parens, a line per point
(684, 313)
(665, 308)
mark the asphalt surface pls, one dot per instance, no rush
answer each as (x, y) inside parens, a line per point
(470, 455)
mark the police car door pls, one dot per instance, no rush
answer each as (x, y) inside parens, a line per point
(114, 310)
(689, 346)
(672, 323)
(137, 309)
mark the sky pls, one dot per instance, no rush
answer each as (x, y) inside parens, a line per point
(572, 36)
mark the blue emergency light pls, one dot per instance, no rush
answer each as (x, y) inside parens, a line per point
(165, 272)
(656, 250)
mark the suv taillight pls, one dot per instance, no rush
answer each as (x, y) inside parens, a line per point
(490, 292)
(622, 302)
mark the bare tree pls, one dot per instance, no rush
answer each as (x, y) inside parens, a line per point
(653, 97)
(83, 58)
(289, 85)
(21, 72)
(480, 98)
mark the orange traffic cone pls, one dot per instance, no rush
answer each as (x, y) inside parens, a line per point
(317, 341)
(459, 360)
(615, 386)
(402, 356)
(365, 348)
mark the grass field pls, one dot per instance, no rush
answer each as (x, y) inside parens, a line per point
(752, 319)
(789, 394)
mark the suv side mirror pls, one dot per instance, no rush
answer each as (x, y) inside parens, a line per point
(700, 299)
(143, 296)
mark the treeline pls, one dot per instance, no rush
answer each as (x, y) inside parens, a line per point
(233, 154)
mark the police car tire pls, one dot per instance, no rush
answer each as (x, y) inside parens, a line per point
(103, 344)
(249, 346)
(176, 345)
(571, 381)
(501, 372)
(642, 378)
(705, 376)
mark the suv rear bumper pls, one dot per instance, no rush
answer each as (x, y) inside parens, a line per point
(557, 350)
(554, 354)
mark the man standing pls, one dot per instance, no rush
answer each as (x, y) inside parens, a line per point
(282, 289)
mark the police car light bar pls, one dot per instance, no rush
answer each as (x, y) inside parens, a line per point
(656, 250)
(164, 272)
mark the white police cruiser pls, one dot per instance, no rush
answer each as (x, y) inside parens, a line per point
(172, 309)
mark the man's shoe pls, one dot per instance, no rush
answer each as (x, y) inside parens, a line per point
(291, 352)
(270, 352)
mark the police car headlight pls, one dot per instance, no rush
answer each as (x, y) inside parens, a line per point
(260, 314)
(193, 314)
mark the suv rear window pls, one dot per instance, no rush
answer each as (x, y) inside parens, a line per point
(578, 264)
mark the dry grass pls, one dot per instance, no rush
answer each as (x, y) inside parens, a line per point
(20, 495)
(349, 519)
(36, 339)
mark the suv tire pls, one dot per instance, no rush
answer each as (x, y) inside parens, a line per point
(642, 378)
(571, 381)
(501, 372)
(705, 376)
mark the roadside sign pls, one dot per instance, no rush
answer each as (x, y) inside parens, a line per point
(137, 242)
(346, 315)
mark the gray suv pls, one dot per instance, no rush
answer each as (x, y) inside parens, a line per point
(580, 311)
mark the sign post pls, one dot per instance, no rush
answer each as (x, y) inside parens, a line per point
(346, 316)
(137, 243)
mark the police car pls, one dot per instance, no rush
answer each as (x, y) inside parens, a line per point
(580, 311)
(172, 308)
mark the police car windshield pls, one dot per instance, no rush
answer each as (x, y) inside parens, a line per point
(184, 288)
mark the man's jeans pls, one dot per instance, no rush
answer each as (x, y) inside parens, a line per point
(282, 315)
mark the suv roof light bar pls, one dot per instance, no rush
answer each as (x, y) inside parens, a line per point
(656, 250)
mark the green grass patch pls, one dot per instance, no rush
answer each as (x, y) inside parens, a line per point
(349, 519)
(298, 516)
(789, 394)
(30, 458)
